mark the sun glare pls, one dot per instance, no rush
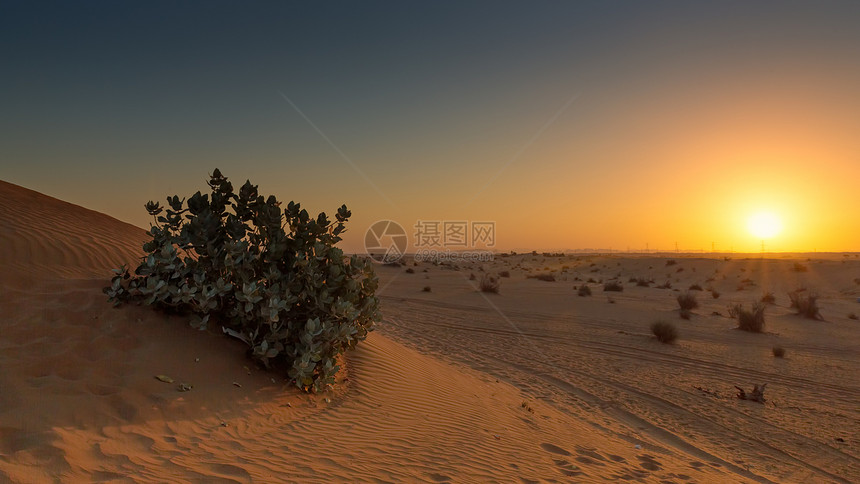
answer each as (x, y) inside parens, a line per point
(764, 225)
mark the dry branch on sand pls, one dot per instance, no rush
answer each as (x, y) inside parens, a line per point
(757, 394)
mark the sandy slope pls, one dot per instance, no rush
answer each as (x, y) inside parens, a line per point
(531, 385)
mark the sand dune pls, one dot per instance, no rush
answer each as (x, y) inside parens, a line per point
(531, 385)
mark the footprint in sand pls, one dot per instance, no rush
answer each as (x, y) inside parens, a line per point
(439, 477)
(648, 462)
(566, 467)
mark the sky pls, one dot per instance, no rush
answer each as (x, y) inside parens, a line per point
(569, 125)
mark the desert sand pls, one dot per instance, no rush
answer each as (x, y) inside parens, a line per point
(533, 384)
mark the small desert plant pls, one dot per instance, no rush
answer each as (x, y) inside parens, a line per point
(798, 267)
(685, 313)
(543, 277)
(505, 274)
(472, 277)
(695, 287)
(749, 320)
(410, 271)
(806, 303)
(665, 332)
(667, 285)
(268, 276)
(778, 351)
(852, 316)
(687, 301)
(715, 294)
(768, 298)
(584, 291)
(426, 289)
(613, 286)
(671, 262)
(489, 284)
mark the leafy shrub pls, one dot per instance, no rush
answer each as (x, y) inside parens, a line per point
(687, 301)
(749, 320)
(806, 303)
(543, 277)
(271, 278)
(489, 284)
(584, 291)
(778, 351)
(665, 332)
(613, 286)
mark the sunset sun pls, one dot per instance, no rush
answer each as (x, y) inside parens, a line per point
(764, 225)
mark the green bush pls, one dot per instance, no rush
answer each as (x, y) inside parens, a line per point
(271, 278)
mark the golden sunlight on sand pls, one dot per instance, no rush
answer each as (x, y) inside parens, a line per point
(533, 384)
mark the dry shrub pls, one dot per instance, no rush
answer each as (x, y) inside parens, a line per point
(584, 291)
(806, 303)
(687, 301)
(489, 284)
(665, 332)
(778, 351)
(613, 286)
(543, 277)
(749, 320)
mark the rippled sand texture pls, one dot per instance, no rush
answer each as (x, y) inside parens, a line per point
(533, 384)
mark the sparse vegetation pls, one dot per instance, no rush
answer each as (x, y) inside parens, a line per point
(695, 287)
(410, 271)
(778, 351)
(473, 277)
(687, 301)
(542, 277)
(671, 262)
(798, 267)
(426, 289)
(715, 294)
(489, 284)
(751, 320)
(768, 298)
(584, 291)
(806, 303)
(852, 316)
(685, 313)
(505, 274)
(665, 332)
(613, 286)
